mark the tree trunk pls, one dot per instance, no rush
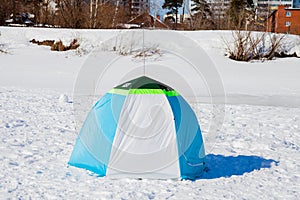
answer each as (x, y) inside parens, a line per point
(95, 13)
(176, 18)
(91, 13)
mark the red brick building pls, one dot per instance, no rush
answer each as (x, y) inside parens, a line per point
(284, 20)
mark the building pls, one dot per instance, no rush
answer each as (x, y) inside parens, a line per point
(284, 20)
(145, 20)
(219, 7)
(296, 4)
(135, 7)
(265, 7)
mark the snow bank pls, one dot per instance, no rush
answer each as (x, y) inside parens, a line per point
(255, 153)
(31, 66)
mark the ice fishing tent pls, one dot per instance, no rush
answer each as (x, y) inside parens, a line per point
(141, 129)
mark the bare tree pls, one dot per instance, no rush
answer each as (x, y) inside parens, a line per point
(47, 14)
(6, 8)
(109, 15)
(72, 13)
(94, 5)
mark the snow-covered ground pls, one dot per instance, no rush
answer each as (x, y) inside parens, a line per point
(253, 154)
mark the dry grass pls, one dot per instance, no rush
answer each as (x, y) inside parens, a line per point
(2, 51)
(45, 42)
(148, 52)
(57, 46)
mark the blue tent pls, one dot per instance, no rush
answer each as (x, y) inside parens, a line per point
(141, 129)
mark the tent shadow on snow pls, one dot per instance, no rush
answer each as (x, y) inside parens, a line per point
(227, 166)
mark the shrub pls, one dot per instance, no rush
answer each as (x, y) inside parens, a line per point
(248, 45)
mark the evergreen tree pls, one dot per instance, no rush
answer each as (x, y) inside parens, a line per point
(202, 14)
(173, 7)
(200, 6)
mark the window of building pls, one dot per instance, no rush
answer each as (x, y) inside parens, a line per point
(288, 14)
(287, 23)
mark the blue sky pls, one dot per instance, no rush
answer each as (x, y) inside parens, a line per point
(157, 5)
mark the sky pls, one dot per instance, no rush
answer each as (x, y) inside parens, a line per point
(156, 8)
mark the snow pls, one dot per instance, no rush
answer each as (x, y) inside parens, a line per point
(252, 141)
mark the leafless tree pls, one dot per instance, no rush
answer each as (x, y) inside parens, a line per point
(109, 15)
(6, 8)
(72, 13)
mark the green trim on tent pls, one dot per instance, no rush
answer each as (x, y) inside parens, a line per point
(172, 93)
(153, 91)
(144, 91)
(119, 91)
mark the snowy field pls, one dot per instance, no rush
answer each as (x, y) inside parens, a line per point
(254, 153)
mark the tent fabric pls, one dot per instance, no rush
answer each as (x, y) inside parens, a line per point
(141, 129)
(190, 146)
(93, 146)
(143, 137)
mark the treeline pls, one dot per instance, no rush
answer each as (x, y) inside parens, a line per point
(217, 14)
(65, 13)
(237, 14)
